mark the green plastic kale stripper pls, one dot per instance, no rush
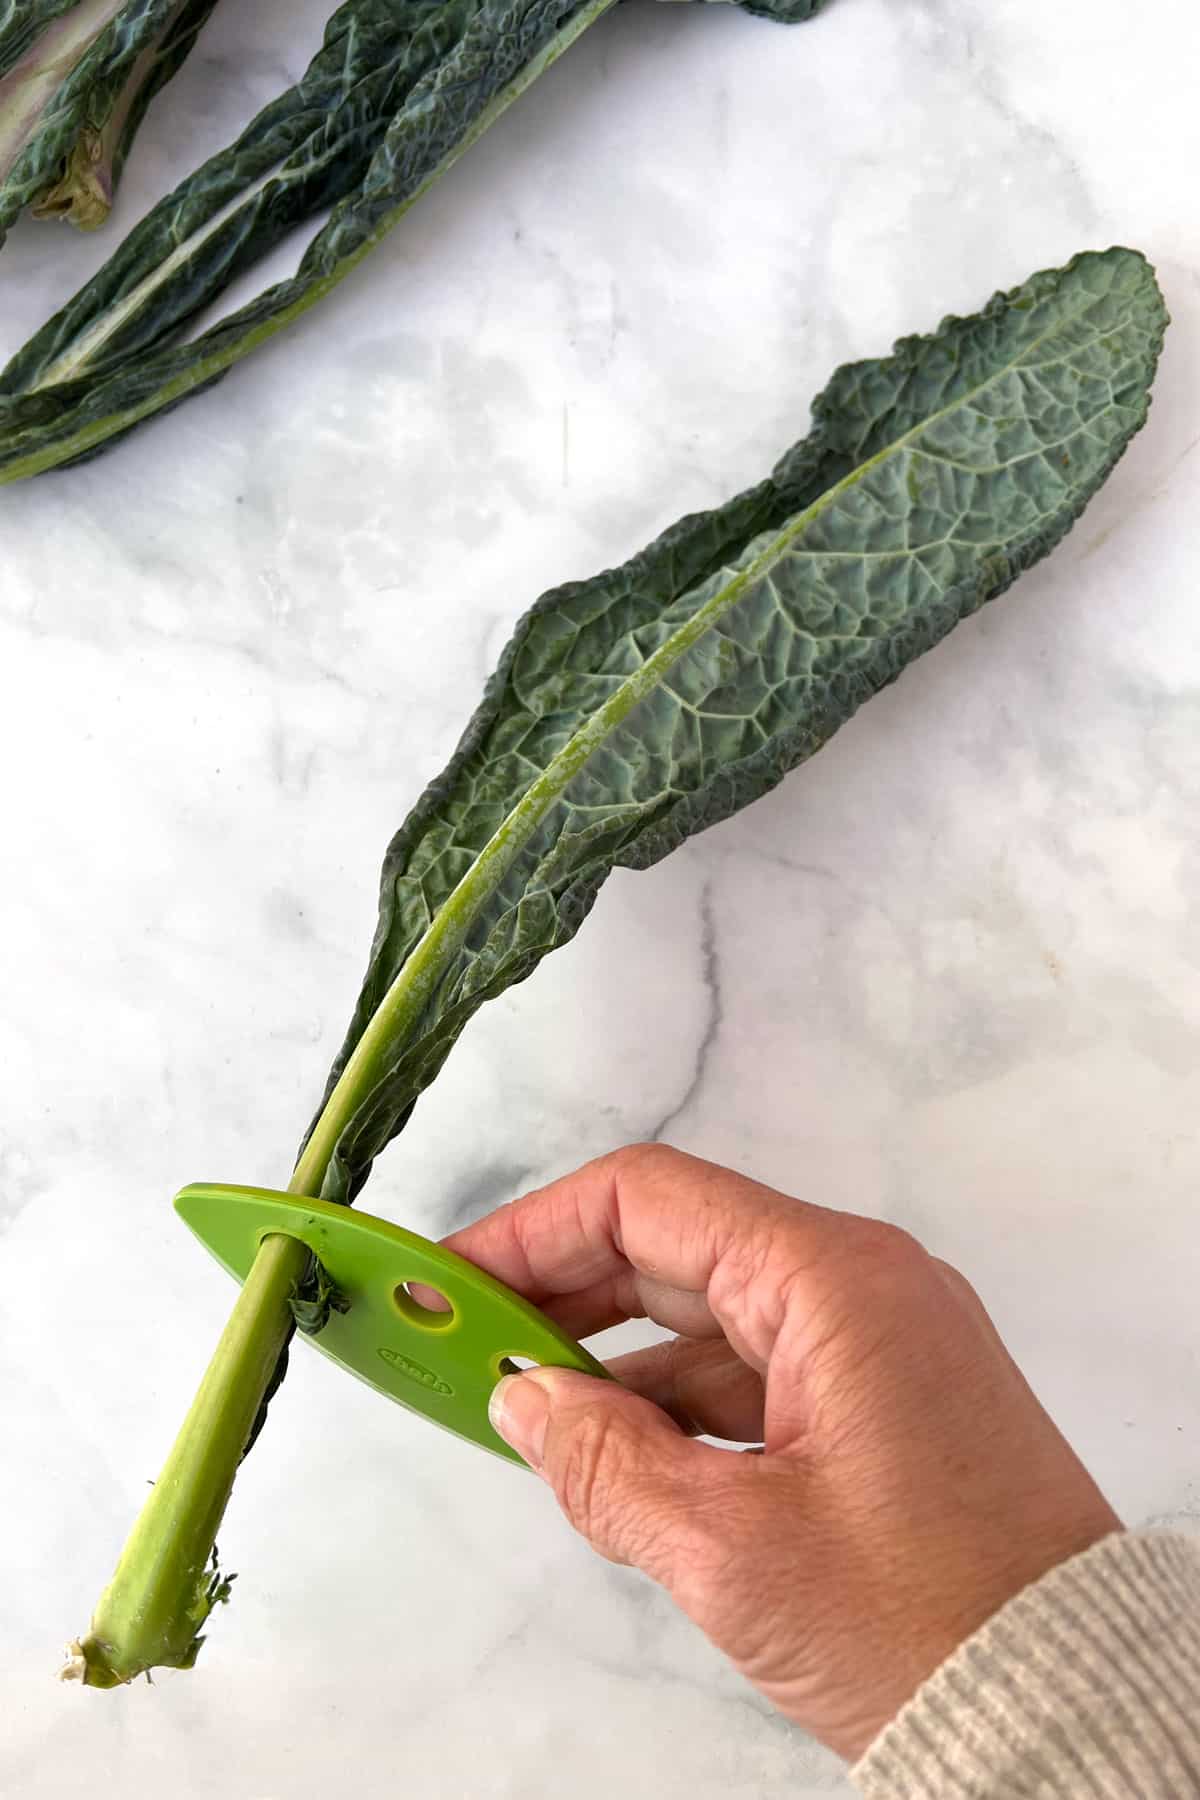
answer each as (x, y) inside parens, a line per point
(442, 1364)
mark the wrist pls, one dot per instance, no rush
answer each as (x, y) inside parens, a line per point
(1083, 1671)
(957, 1591)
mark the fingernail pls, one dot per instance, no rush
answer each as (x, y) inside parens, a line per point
(519, 1410)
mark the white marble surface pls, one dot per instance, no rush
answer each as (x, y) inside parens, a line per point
(949, 973)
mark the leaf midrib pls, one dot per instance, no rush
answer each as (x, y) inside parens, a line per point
(207, 367)
(74, 361)
(415, 982)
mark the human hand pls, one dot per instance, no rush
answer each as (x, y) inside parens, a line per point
(909, 1482)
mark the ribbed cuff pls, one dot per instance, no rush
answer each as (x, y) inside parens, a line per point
(1085, 1686)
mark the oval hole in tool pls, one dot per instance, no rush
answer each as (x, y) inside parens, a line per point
(516, 1365)
(422, 1305)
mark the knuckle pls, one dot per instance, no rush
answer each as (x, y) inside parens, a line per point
(645, 1162)
(888, 1243)
(965, 1295)
(851, 1309)
(887, 1259)
(954, 1278)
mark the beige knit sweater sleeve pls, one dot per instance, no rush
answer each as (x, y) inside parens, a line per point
(1086, 1686)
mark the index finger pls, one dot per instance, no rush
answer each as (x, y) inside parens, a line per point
(653, 1212)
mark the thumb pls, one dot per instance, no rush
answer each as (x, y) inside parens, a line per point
(621, 1469)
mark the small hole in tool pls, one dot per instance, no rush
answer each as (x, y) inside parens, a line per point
(430, 1299)
(423, 1305)
(517, 1365)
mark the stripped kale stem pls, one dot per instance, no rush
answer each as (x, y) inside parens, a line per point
(152, 1613)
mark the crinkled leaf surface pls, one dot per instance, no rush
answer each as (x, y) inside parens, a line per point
(301, 154)
(789, 12)
(55, 411)
(635, 709)
(22, 25)
(399, 89)
(65, 69)
(111, 114)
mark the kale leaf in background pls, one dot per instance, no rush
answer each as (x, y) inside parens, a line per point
(397, 92)
(76, 77)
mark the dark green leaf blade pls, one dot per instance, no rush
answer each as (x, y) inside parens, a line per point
(300, 154)
(630, 711)
(396, 94)
(61, 415)
(111, 116)
(62, 70)
(21, 26)
(787, 12)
